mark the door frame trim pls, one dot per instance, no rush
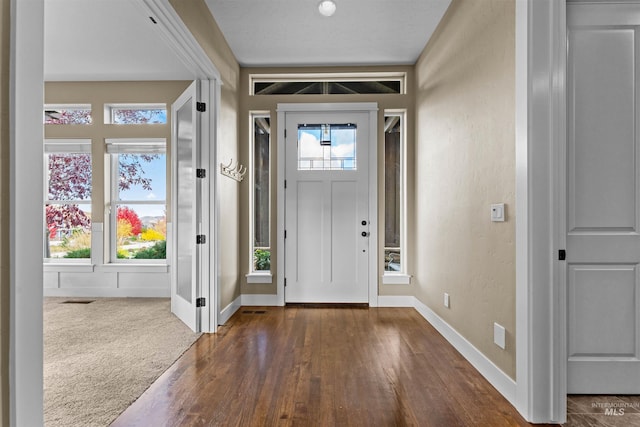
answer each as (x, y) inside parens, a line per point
(541, 368)
(368, 107)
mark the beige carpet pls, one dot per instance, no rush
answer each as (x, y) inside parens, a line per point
(100, 357)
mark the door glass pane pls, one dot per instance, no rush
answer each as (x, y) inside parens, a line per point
(327, 147)
(185, 196)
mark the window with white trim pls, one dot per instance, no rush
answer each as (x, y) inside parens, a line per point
(394, 193)
(260, 198)
(67, 114)
(137, 205)
(135, 114)
(328, 83)
(67, 200)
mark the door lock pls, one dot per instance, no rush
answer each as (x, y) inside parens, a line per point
(364, 222)
(365, 234)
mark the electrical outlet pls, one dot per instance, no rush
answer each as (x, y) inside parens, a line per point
(446, 300)
(499, 335)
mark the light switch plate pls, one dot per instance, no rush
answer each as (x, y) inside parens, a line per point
(497, 212)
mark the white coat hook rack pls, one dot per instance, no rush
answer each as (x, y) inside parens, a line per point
(236, 172)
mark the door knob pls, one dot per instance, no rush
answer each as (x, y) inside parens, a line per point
(364, 222)
(365, 234)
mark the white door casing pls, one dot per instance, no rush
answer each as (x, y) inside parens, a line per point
(186, 208)
(327, 218)
(603, 199)
(333, 263)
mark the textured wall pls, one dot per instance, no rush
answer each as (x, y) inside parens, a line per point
(465, 161)
(202, 25)
(269, 103)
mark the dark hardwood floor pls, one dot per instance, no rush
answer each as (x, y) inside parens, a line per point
(303, 366)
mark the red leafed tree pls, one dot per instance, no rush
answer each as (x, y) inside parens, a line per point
(70, 179)
(129, 215)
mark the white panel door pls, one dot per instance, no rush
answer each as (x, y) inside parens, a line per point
(327, 205)
(185, 208)
(603, 244)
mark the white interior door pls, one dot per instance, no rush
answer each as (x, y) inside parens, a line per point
(186, 195)
(327, 207)
(603, 241)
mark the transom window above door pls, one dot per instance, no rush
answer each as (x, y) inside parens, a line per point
(327, 147)
(328, 83)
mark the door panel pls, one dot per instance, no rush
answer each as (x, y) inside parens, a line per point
(327, 200)
(345, 231)
(602, 300)
(603, 245)
(603, 138)
(185, 212)
(309, 241)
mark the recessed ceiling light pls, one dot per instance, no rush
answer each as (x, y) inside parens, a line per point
(327, 7)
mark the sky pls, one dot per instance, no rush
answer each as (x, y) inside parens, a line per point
(156, 171)
(342, 144)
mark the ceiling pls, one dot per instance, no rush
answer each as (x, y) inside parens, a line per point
(115, 39)
(293, 33)
(93, 40)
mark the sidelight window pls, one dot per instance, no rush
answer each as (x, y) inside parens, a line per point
(395, 199)
(260, 198)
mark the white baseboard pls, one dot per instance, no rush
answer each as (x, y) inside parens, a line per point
(107, 292)
(260, 299)
(229, 310)
(501, 381)
(396, 301)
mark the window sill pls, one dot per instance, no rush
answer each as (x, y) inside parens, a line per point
(396, 279)
(48, 267)
(256, 277)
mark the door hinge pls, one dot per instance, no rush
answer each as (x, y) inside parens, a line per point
(562, 254)
(285, 183)
(285, 282)
(201, 106)
(201, 239)
(201, 302)
(285, 234)
(285, 133)
(201, 173)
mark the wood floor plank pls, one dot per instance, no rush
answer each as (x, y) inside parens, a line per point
(300, 366)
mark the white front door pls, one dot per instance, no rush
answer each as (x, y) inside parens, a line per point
(186, 196)
(603, 221)
(327, 207)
